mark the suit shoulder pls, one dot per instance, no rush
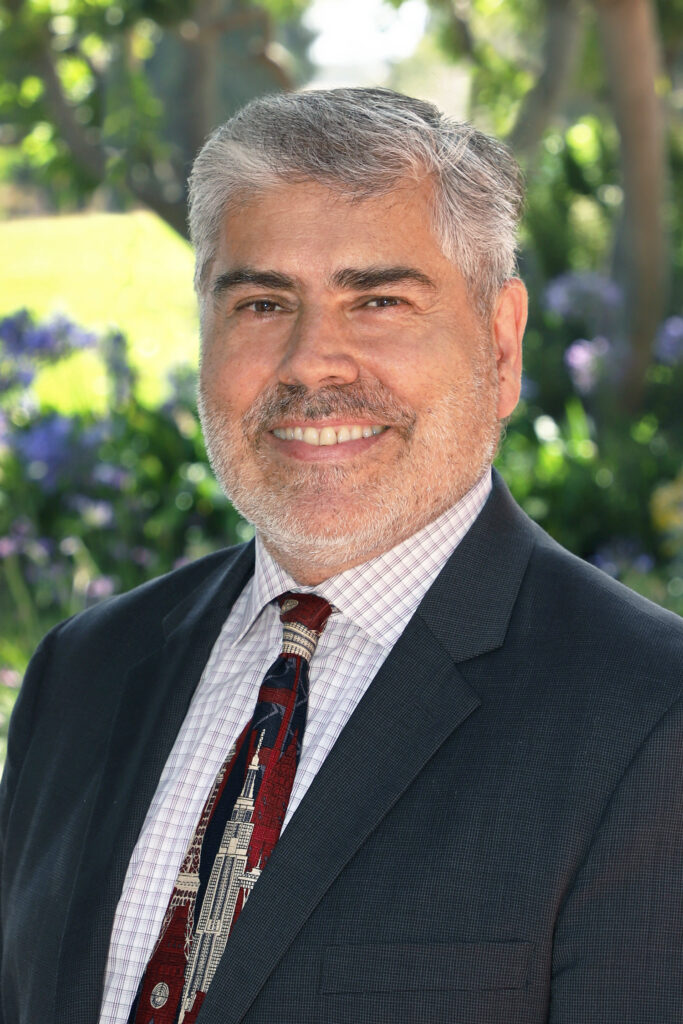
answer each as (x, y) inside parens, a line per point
(133, 619)
(577, 584)
(577, 609)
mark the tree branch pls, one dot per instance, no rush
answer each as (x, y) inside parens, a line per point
(195, 28)
(174, 213)
(91, 156)
(282, 77)
(562, 34)
(462, 32)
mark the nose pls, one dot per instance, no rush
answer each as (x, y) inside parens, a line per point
(319, 351)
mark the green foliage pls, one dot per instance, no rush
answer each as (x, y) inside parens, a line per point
(100, 103)
(574, 199)
(607, 486)
(93, 504)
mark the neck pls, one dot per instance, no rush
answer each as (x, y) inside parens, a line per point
(311, 559)
(307, 568)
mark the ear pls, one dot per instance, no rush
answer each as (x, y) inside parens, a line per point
(509, 321)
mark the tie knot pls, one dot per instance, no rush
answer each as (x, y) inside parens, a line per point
(303, 618)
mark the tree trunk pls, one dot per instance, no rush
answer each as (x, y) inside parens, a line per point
(629, 40)
(562, 35)
(91, 157)
(202, 72)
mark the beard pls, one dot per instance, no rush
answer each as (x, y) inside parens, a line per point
(341, 514)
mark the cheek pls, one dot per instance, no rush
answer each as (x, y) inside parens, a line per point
(423, 386)
(231, 375)
(436, 360)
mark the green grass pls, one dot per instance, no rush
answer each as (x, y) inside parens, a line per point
(127, 270)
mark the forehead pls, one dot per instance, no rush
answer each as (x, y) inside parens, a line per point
(316, 227)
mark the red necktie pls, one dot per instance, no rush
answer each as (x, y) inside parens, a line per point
(237, 830)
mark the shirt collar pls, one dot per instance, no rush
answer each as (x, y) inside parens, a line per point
(381, 595)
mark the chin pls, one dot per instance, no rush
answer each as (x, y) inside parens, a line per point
(326, 537)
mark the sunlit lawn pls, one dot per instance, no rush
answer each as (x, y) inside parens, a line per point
(101, 269)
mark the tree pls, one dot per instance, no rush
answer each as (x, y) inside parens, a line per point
(125, 93)
(524, 57)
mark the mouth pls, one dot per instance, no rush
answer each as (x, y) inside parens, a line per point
(327, 435)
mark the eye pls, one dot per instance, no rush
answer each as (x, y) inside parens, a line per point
(262, 306)
(384, 302)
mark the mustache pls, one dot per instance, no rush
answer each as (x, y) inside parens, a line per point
(371, 400)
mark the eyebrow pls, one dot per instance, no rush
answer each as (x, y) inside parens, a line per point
(371, 278)
(349, 279)
(247, 275)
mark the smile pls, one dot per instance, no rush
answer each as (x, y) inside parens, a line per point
(327, 435)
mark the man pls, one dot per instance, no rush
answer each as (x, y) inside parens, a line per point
(484, 824)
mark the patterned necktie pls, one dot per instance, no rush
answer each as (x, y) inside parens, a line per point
(237, 830)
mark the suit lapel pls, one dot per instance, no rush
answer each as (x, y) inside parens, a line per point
(154, 700)
(415, 702)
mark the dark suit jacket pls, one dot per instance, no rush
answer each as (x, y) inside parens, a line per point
(496, 836)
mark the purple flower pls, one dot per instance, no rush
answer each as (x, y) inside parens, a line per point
(22, 527)
(19, 375)
(589, 298)
(585, 362)
(141, 556)
(620, 555)
(12, 331)
(111, 476)
(55, 338)
(99, 588)
(52, 449)
(95, 434)
(669, 345)
(21, 538)
(10, 677)
(46, 440)
(8, 546)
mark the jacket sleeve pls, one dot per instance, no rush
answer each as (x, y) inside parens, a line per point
(618, 950)
(20, 732)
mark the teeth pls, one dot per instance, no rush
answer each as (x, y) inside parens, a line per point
(328, 435)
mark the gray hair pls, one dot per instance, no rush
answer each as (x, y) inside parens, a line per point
(364, 143)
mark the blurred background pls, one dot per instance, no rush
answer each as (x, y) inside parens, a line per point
(103, 476)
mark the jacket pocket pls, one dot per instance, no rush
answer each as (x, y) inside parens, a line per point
(458, 966)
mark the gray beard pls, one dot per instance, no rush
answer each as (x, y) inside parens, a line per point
(383, 515)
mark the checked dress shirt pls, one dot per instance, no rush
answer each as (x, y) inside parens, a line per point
(373, 603)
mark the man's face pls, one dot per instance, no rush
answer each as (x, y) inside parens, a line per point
(349, 391)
